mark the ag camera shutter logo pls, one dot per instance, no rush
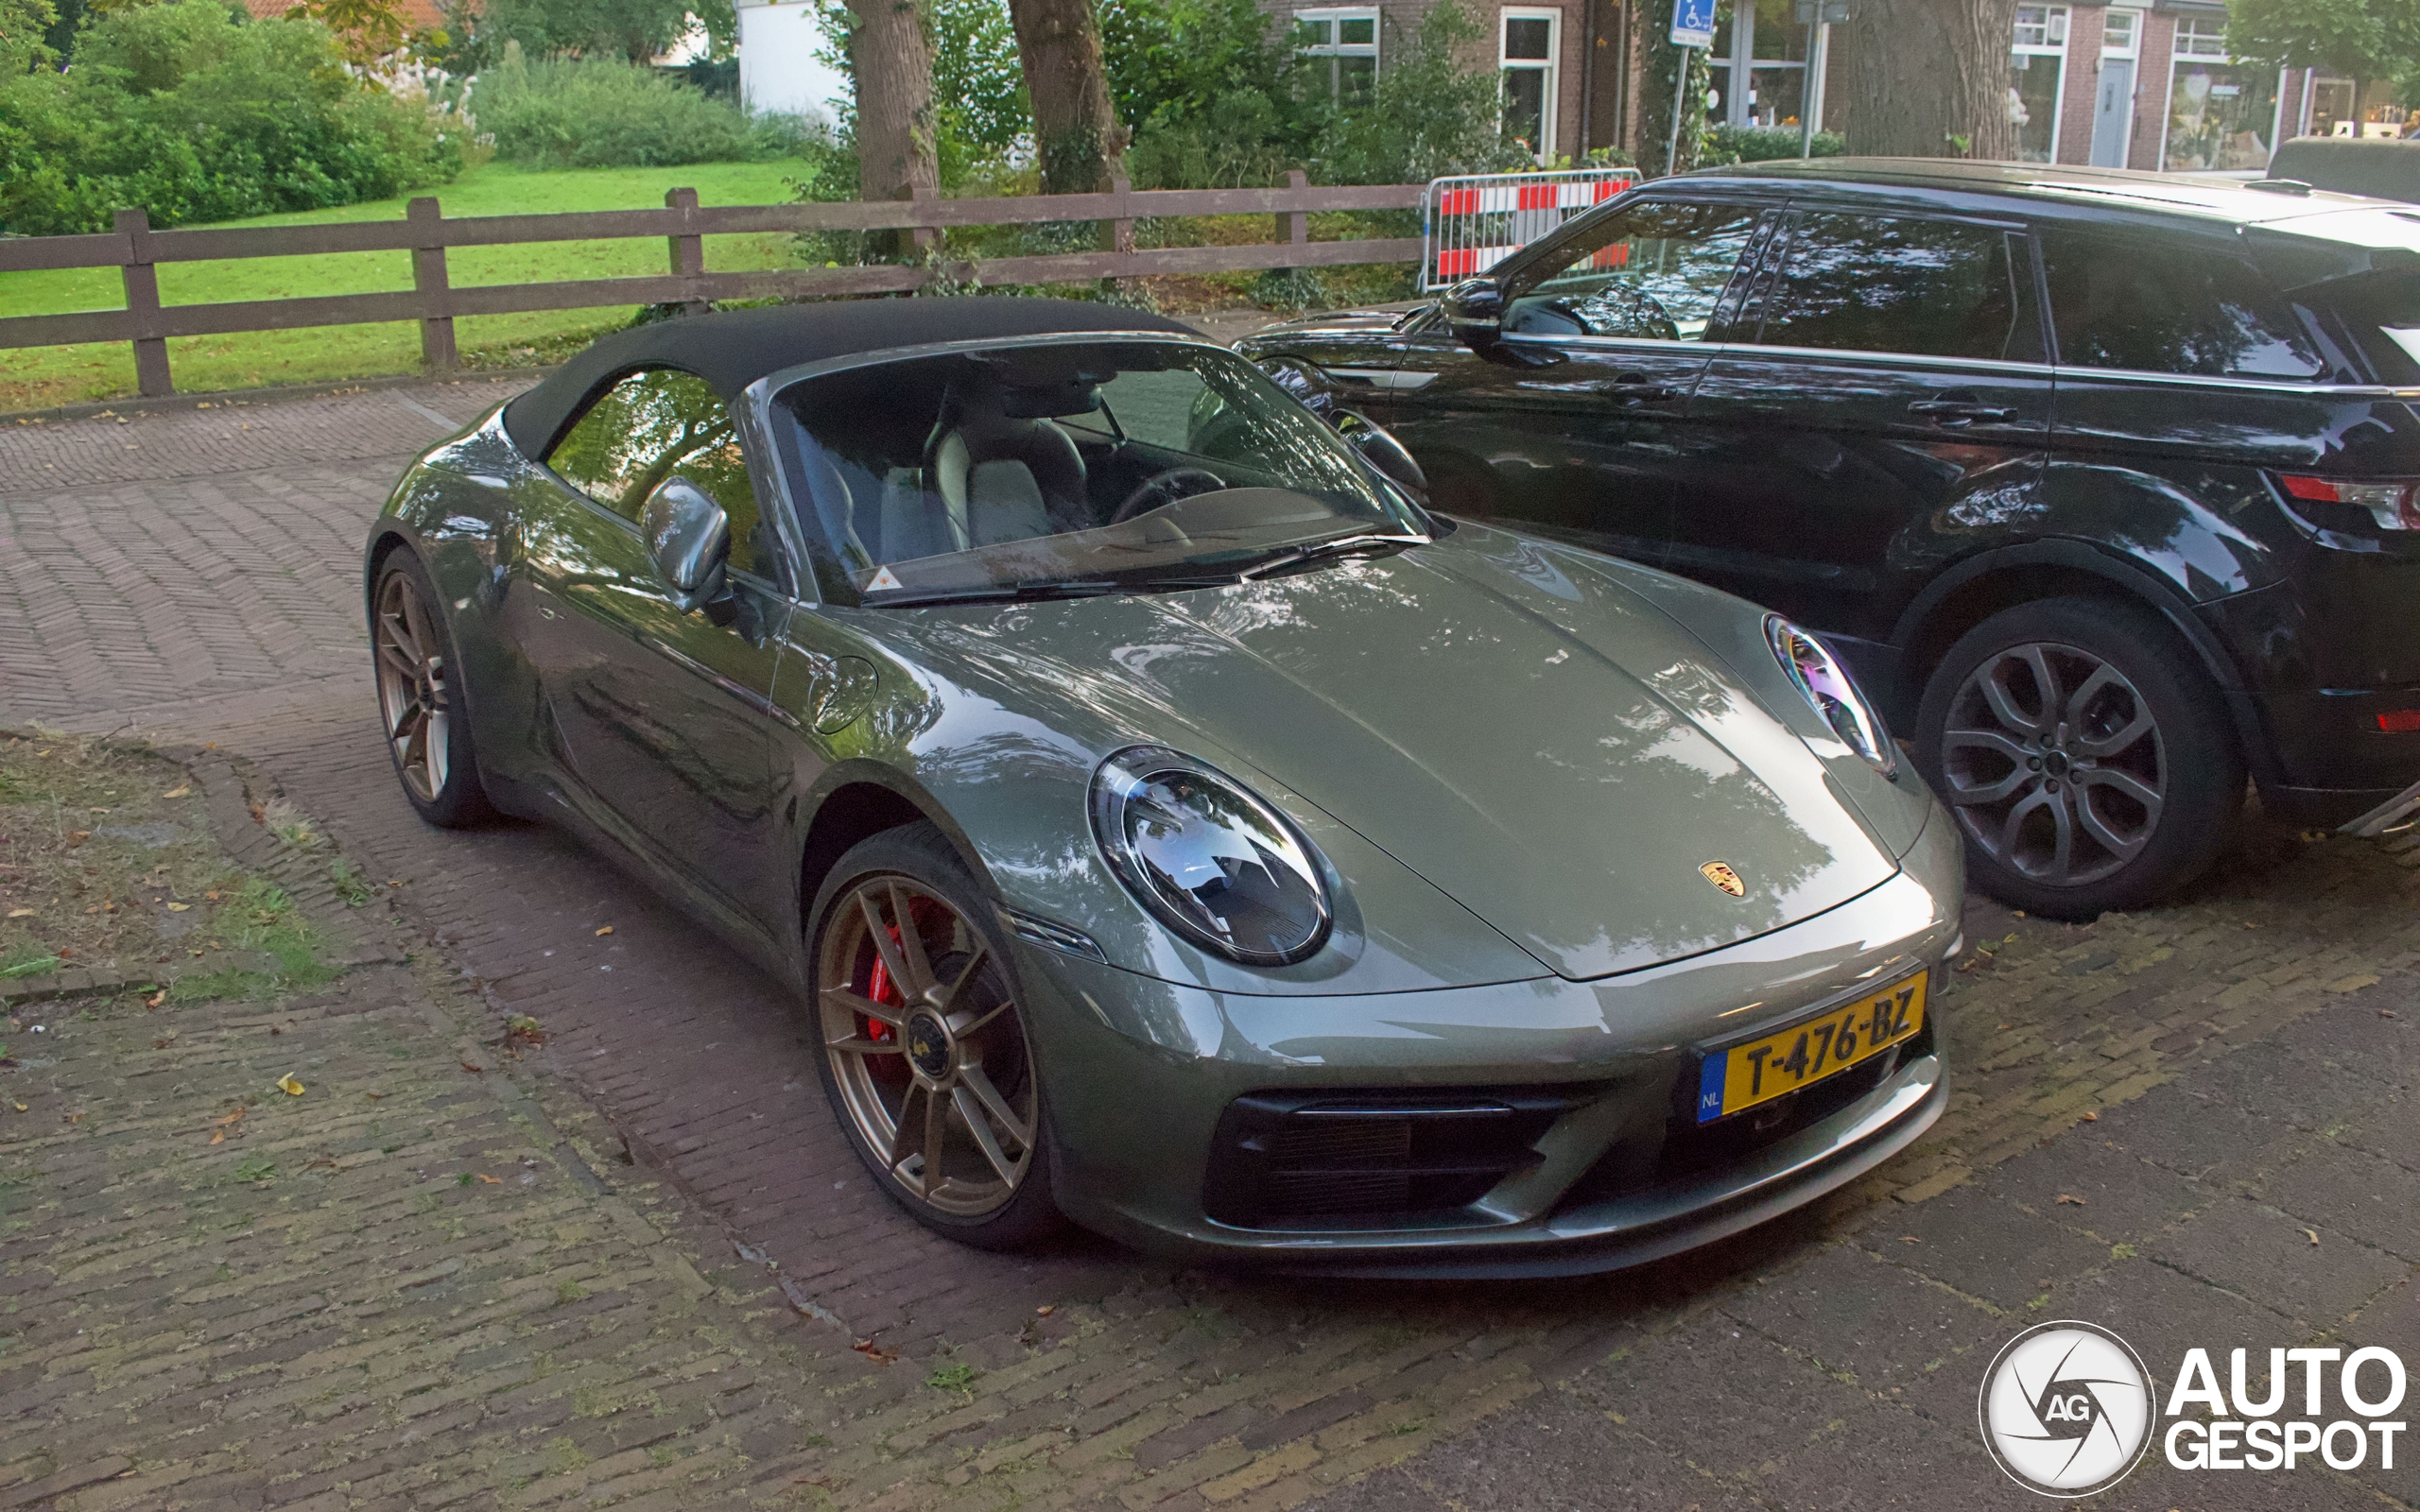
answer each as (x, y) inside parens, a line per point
(2066, 1409)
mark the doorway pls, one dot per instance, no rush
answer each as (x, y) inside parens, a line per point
(2113, 110)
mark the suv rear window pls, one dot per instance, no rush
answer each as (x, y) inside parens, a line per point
(2159, 307)
(2380, 312)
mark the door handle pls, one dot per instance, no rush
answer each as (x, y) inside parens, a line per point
(1635, 387)
(1958, 408)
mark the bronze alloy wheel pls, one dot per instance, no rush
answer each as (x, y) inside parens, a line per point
(412, 691)
(2053, 763)
(926, 1048)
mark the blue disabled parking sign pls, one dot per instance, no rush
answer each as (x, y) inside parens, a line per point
(1692, 23)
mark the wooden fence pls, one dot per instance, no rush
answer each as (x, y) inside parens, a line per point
(136, 250)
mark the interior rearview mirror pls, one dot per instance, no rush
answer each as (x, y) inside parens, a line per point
(1474, 312)
(1380, 448)
(689, 537)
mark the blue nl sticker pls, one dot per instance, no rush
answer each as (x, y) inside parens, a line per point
(1710, 1088)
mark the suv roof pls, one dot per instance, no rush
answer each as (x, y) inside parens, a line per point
(2222, 200)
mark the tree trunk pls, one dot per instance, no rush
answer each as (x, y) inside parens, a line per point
(1075, 132)
(893, 65)
(1929, 78)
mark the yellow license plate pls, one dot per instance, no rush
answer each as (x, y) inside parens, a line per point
(1804, 1054)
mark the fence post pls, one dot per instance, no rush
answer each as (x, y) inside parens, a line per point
(1121, 229)
(689, 249)
(143, 302)
(437, 353)
(1295, 225)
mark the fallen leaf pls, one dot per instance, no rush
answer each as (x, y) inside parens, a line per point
(184, 791)
(79, 1118)
(210, 896)
(2091, 1117)
(373, 1096)
(2018, 912)
(879, 1353)
(225, 1126)
(473, 1070)
(156, 999)
(606, 930)
(1909, 1239)
(163, 1044)
(21, 1108)
(20, 913)
(179, 908)
(1044, 1312)
(492, 1180)
(2386, 1013)
(2351, 984)
(2311, 1235)
(2068, 1199)
(287, 1085)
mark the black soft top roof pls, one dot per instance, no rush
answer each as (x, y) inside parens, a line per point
(732, 349)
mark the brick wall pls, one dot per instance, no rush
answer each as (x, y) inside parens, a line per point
(2080, 86)
(2151, 90)
(1399, 22)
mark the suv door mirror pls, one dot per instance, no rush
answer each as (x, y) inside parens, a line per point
(689, 537)
(1474, 312)
(1380, 448)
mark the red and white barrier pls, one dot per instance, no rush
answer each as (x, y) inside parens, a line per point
(1470, 223)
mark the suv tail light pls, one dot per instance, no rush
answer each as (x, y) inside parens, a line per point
(2394, 505)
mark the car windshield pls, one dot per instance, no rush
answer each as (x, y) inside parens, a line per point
(1086, 465)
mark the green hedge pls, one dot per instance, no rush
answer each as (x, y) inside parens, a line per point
(605, 114)
(193, 113)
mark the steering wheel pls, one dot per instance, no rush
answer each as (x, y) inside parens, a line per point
(1165, 488)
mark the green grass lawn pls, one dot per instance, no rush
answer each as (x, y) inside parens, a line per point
(36, 377)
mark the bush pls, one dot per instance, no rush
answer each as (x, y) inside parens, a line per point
(605, 114)
(194, 114)
(1428, 115)
(1764, 143)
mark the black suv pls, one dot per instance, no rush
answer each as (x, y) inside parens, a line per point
(2107, 485)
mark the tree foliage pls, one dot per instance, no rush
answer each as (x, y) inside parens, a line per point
(195, 113)
(636, 30)
(2361, 40)
(25, 36)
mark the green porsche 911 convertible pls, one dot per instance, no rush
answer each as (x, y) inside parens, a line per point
(1164, 821)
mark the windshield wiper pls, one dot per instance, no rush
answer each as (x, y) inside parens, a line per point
(999, 593)
(1334, 549)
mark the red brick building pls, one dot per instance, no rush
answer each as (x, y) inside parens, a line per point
(2143, 85)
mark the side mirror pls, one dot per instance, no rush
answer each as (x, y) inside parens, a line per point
(1474, 312)
(689, 537)
(1380, 448)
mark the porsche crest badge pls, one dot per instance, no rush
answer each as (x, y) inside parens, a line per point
(1724, 877)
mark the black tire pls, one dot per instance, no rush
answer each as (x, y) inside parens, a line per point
(439, 770)
(2134, 715)
(919, 856)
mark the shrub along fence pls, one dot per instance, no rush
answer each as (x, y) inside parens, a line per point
(137, 250)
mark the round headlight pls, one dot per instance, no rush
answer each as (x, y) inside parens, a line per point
(1832, 694)
(1208, 857)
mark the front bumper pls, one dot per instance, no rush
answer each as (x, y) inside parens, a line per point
(1140, 1073)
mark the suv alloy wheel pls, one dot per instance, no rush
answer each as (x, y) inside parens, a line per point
(2088, 757)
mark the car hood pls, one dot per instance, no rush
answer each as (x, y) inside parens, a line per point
(1333, 323)
(1503, 717)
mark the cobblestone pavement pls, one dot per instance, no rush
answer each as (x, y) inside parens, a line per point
(2217, 1081)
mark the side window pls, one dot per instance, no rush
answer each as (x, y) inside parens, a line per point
(2166, 308)
(1653, 271)
(1922, 288)
(653, 425)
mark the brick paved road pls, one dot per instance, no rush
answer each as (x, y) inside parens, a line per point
(2251, 1092)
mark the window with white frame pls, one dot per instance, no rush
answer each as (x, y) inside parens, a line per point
(1345, 44)
(1529, 40)
(2221, 115)
(2201, 36)
(2038, 67)
(2121, 33)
